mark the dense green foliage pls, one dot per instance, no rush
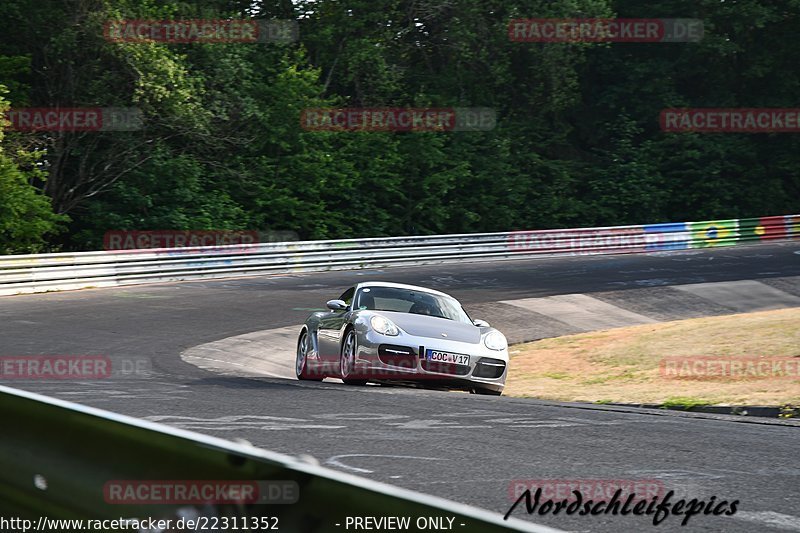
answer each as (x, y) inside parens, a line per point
(26, 217)
(577, 141)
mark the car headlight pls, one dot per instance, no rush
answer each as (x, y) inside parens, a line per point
(383, 325)
(495, 341)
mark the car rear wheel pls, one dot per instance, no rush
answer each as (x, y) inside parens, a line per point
(347, 359)
(301, 362)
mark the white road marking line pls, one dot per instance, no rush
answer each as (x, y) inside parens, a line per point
(564, 425)
(360, 416)
(432, 424)
(231, 418)
(239, 422)
(477, 414)
(335, 460)
(777, 520)
(596, 422)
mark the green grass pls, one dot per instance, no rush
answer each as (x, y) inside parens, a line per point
(556, 375)
(625, 364)
(684, 402)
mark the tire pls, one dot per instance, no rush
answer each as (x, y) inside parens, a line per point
(486, 392)
(301, 359)
(347, 359)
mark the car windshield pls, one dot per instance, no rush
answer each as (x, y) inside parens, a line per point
(411, 301)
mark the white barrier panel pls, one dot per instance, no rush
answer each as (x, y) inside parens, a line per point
(53, 272)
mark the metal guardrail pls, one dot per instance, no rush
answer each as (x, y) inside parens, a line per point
(50, 272)
(58, 458)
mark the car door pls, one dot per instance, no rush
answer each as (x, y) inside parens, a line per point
(330, 328)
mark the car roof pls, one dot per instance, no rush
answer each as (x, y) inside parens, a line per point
(400, 286)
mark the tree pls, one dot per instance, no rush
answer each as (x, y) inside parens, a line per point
(26, 217)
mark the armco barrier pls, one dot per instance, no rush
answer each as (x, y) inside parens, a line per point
(50, 272)
(57, 460)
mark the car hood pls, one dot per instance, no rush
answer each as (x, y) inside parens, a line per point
(433, 327)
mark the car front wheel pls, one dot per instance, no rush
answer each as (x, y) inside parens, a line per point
(347, 360)
(301, 362)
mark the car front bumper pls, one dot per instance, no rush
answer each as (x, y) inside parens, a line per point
(403, 358)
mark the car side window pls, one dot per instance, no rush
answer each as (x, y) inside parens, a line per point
(347, 296)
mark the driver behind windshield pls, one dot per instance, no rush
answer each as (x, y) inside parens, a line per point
(421, 308)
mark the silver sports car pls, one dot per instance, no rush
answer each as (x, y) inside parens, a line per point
(386, 332)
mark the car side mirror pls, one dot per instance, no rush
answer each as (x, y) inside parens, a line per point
(336, 305)
(481, 323)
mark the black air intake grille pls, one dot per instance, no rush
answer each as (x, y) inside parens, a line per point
(402, 356)
(489, 368)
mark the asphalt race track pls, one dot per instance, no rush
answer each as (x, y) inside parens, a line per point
(463, 447)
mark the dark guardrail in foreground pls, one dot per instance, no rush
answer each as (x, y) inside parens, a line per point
(58, 460)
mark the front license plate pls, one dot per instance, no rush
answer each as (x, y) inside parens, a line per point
(445, 357)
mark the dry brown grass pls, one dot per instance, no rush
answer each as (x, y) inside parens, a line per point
(622, 365)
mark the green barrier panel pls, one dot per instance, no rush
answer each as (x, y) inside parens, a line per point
(714, 233)
(64, 461)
